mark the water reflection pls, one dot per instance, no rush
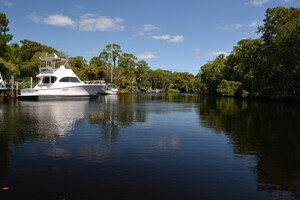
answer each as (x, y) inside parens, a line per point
(159, 130)
(105, 115)
(270, 131)
(26, 121)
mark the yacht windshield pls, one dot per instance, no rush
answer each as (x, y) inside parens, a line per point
(70, 80)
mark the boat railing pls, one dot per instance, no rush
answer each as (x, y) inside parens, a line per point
(95, 82)
(53, 67)
(47, 69)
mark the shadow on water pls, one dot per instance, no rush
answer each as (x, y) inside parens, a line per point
(269, 131)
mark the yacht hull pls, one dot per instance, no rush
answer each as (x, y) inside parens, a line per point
(73, 92)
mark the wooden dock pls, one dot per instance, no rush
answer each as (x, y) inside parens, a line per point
(10, 90)
(9, 93)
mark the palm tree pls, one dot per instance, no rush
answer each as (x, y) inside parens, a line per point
(90, 73)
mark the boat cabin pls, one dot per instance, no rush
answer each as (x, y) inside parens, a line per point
(47, 80)
(50, 80)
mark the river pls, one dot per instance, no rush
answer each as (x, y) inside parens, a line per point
(149, 146)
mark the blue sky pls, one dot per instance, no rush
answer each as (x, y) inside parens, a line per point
(176, 35)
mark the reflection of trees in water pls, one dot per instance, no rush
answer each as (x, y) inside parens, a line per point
(270, 131)
(116, 111)
(23, 121)
(14, 127)
(107, 123)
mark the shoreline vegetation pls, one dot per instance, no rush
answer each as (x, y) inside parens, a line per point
(267, 67)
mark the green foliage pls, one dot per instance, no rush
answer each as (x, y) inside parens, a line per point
(268, 66)
(246, 64)
(212, 73)
(228, 88)
(29, 48)
(184, 82)
(173, 91)
(4, 68)
(4, 38)
(128, 63)
(161, 79)
(77, 62)
(111, 51)
(90, 73)
(281, 34)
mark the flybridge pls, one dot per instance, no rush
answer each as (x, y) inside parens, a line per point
(53, 60)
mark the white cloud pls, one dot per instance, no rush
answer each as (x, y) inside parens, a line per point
(87, 22)
(231, 27)
(141, 34)
(93, 51)
(169, 38)
(258, 2)
(197, 53)
(217, 53)
(149, 27)
(262, 2)
(7, 3)
(59, 20)
(55, 20)
(255, 24)
(146, 30)
(35, 18)
(92, 22)
(146, 55)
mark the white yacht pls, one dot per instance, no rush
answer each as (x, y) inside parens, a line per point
(59, 83)
(2, 83)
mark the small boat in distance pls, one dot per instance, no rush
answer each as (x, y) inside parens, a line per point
(109, 89)
(59, 83)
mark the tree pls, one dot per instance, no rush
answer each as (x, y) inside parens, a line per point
(31, 68)
(212, 73)
(77, 62)
(102, 67)
(183, 81)
(111, 51)
(128, 63)
(281, 34)
(141, 71)
(246, 64)
(90, 73)
(14, 54)
(160, 78)
(4, 38)
(228, 88)
(29, 48)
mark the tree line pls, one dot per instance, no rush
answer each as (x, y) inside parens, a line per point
(268, 66)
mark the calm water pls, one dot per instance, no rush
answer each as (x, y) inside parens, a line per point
(149, 147)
